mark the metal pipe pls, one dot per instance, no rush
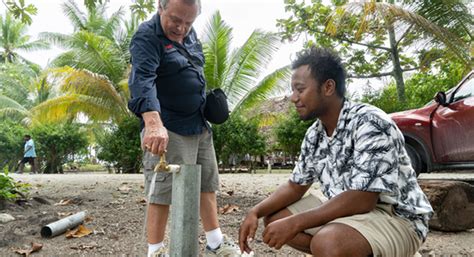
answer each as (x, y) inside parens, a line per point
(185, 211)
(60, 226)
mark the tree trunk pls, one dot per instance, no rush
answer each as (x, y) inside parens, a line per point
(397, 68)
(452, 202)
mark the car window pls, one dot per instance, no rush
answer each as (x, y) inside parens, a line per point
(466, 90)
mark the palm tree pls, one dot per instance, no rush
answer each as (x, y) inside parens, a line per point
(92, 73)
(13, 39)
(97, 43)
(15, 80)
(20, 98)
(84, 92)
(237, 71)
(450, 24)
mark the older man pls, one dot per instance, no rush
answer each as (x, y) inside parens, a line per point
(168, 94)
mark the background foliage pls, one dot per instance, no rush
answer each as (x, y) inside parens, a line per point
(87, 83)
(57, 144)
(420, 88)
(11, 144)
(10, 189)
(289, 133)
(121, 146)
(237, 138)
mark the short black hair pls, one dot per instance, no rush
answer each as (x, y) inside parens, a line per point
(324, 64)
(28, 136)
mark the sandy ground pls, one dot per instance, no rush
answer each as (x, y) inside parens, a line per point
(114, 203)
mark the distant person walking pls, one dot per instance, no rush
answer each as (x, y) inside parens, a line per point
(29, 155)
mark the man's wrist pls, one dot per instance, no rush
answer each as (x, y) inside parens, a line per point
(152, 120)
(254, 211)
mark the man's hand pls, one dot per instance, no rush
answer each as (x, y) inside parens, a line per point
(155, 139)
(247, 231)
(279, 232)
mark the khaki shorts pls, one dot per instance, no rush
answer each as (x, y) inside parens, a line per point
(387, 234)
(194, 149)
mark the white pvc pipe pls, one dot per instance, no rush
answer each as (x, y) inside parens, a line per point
(60, 226)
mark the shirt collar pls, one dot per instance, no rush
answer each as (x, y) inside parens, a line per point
(341, 120)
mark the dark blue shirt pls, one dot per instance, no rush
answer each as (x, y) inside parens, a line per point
(163, 80)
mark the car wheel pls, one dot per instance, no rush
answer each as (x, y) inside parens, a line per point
(415, 159)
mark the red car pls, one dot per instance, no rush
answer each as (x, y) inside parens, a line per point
(440, 135)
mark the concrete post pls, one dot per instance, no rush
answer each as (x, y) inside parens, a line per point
(185, 211)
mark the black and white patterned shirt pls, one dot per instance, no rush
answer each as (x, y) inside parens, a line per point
(366, 153)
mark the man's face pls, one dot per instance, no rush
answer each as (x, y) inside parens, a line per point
(177, 19)
(307, 94)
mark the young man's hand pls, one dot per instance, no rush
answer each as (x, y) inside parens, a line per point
(247, 231)
(279, 232)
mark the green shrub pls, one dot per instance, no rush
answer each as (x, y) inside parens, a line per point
(419, 89)
(9, 188)
(121, 146)
(11, 143)
(290, 132)
(57, 144)
(236, 138)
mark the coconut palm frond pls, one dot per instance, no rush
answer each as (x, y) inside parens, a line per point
(57, 39)
(248, 62)
(274, 84)
(112, 25)
(454, 15)
(9, 103)
(13, 113)
(91, 84)
(35, 45)
(69, 106)
(64, 59)
(123, 89)
(95, 53)
(13, 37)
(217, 40)
(125, 35)
(12, 109)
(99, 55)
(74, 14)
(41, 89)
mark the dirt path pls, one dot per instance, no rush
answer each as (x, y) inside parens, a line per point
(117, 215)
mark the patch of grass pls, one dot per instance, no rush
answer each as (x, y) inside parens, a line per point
(274, 171)
(92, 167)
(83, 167)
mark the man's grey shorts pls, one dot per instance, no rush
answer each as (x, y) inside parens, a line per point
(194, 149)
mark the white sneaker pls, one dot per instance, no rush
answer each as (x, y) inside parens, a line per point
(227, 249)
(162, 252)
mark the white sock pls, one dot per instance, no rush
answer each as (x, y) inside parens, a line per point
(214, 238)
(154, 247)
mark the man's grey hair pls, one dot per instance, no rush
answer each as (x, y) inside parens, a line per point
(164, 3)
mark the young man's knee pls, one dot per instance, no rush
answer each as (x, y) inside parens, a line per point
(327, 242)
(325, 246)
